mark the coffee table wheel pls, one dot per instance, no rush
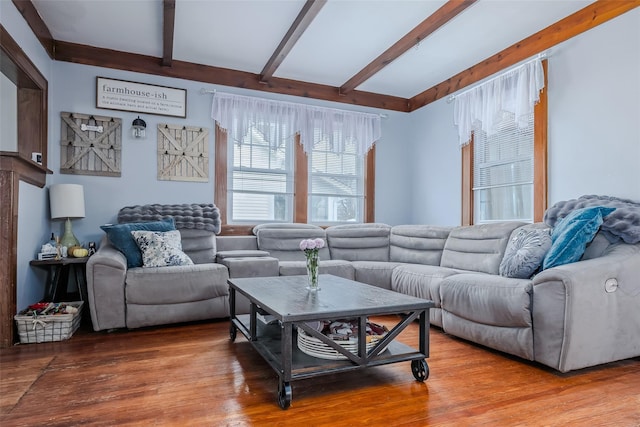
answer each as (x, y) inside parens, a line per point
(233, 331)
(420, 369)
(284, 394)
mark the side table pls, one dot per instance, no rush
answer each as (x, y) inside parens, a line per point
(59, 272)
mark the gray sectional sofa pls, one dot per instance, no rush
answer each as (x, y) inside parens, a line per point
(567, 317)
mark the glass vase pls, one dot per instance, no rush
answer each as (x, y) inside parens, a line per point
(312, 271)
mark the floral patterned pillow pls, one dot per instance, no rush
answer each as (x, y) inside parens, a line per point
(161, 249)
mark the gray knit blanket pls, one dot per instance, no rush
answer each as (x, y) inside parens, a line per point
(194, 216)
(621, 224)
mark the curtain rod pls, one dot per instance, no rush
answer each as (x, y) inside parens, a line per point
(204, 91)
(541, 55)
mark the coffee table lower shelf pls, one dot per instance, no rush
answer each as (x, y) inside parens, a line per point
(298, 365)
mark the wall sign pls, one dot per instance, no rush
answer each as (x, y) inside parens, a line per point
(140, 97)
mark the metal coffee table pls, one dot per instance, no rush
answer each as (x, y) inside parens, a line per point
(290, 304)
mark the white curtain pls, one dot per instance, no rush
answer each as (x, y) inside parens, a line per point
(280, 120)
(516, 91)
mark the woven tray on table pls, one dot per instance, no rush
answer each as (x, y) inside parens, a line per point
(316, 348)
(48, 327)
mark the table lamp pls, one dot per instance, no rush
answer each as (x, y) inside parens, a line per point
(67, 201)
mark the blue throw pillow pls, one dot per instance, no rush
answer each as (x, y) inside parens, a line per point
(572, 233)
(120, 237)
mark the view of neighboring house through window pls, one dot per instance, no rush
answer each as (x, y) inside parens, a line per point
(503, 172)
(261, 179)
(336, 183)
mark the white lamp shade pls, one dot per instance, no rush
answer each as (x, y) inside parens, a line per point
(66, 201)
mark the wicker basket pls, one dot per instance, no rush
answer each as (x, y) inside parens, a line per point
(48, 328)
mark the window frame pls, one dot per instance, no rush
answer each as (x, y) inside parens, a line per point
(540, 185)
(301, 184)
(288, 173)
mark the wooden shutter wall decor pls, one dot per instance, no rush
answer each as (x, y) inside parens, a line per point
(90, 144)
(183, 153)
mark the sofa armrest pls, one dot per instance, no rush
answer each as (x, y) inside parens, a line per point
(106, 273)
(586, 313)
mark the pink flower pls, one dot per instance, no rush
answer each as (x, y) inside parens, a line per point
(311, 244)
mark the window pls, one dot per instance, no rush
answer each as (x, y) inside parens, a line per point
(261, 179)
(504, 177)
(503, 172)
(256, 183)
(336, 184)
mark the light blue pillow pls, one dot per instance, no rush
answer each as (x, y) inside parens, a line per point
(121, 238)
(572, 233)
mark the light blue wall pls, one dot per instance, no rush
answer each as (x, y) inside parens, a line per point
(394, 170)
(594, 112)
(436, 166)
(593, 135)
(33, 208)
(73, 90)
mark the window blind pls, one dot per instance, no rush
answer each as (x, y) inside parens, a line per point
(336, 183)
(261, 179)
(503, 171)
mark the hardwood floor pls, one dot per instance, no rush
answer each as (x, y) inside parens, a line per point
(193, 375)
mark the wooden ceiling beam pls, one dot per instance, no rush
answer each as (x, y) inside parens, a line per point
(107, 58)
(440, 17)
(299, 26)
(168, 24)
(585, 19)
(37, 25)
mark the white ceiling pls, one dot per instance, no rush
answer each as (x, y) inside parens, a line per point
(344, 37)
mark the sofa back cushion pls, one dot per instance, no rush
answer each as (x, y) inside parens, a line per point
(478, 247)
(359, 242)
(200, 245)
(284, 243)
(285, 225)
(418, 244)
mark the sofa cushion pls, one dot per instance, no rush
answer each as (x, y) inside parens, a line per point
(478, 247)
(176, 284)
(336, 267)
(236, 243)
(418, 244)
(525, 251)
(200, 245)
(160, 248)
(571, 235)
(359, 242)
(512, 340)
(284, 243)
(376, 273)
(422, 281)
(263, 266)
(488, 299)
(490, 310)
(121, 238)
